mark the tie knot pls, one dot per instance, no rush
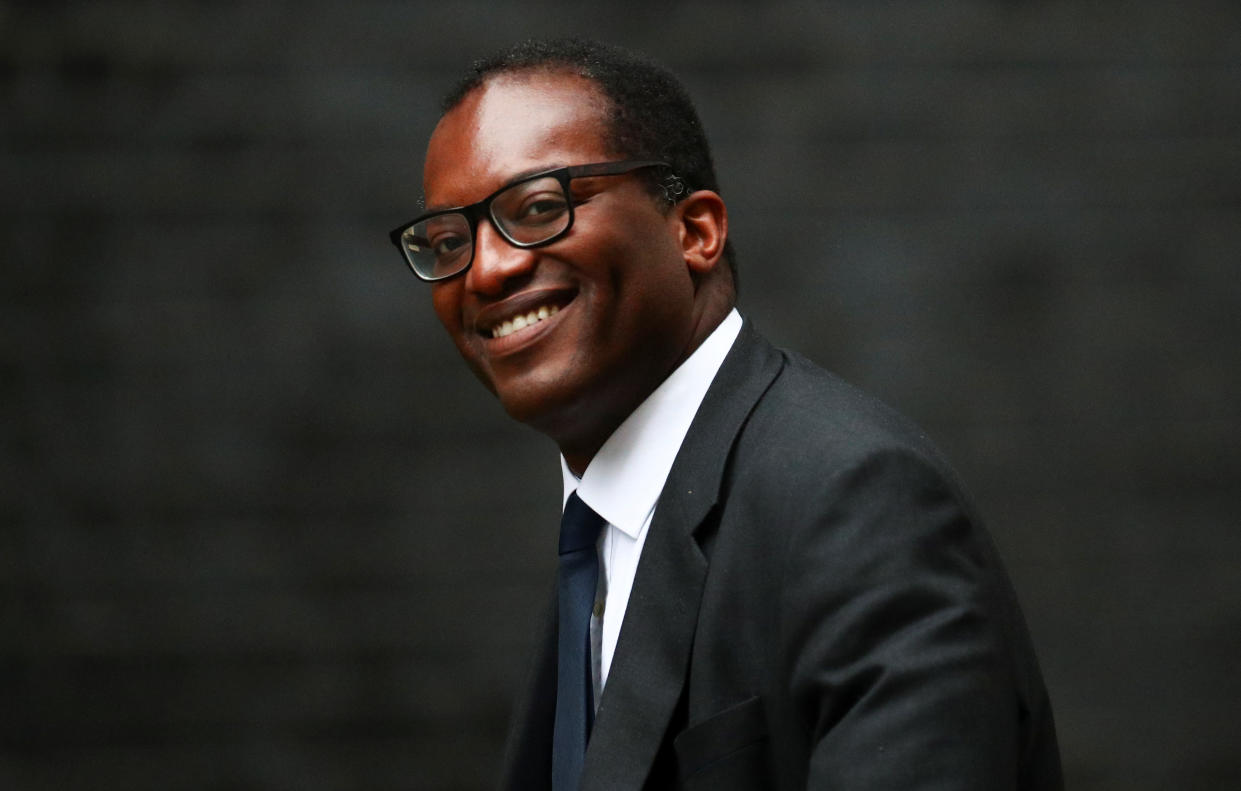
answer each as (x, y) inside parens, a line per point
(579, 527)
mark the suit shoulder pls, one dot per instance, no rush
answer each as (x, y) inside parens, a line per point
(814, 412)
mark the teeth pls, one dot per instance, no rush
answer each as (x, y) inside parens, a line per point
(525, 320)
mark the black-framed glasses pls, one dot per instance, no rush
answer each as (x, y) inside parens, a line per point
(533, 211)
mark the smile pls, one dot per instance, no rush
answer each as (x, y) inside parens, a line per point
(524, 320)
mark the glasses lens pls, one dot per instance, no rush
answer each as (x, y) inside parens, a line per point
(532, 211)
(440, 246)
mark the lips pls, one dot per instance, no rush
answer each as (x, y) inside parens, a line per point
(513, 317)
(523, 320)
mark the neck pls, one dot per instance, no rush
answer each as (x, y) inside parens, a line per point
(579, 447)
(577, 463)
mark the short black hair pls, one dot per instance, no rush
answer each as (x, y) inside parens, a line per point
(651, 115)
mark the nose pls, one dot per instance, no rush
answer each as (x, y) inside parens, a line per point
(496, 262)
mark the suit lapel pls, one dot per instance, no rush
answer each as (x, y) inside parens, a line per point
(653, 651)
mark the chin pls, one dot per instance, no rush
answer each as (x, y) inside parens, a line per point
(560, 413)
(538, 410)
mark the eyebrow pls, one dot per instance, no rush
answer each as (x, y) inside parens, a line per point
(516, 177)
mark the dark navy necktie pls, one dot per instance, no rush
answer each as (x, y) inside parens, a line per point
(576, 581)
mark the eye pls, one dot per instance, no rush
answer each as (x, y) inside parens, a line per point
(446, 244)
(446, 235)
(541, 208)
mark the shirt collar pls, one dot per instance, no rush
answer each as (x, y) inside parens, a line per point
(623, 481)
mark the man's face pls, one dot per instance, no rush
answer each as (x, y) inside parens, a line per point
(619, 299)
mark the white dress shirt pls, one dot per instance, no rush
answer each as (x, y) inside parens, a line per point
(623, 481)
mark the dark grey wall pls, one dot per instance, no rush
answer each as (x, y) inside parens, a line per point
(260, 529)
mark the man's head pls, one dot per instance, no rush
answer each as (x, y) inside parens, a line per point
(573, 334)
(650, 116)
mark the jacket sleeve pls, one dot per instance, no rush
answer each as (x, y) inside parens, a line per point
(902, 642)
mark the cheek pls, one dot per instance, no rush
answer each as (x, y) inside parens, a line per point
(656, 276)
(647, 255)
(446, 301)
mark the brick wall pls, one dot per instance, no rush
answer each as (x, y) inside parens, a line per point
(246, 488)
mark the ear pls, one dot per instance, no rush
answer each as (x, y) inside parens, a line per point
(703, 230)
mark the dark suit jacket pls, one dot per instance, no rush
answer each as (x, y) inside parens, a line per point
(816, 606)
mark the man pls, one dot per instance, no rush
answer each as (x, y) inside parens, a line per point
(789, 589)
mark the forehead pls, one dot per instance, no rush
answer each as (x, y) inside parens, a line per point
(511, 125)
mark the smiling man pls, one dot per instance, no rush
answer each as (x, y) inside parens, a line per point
(767, 579)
